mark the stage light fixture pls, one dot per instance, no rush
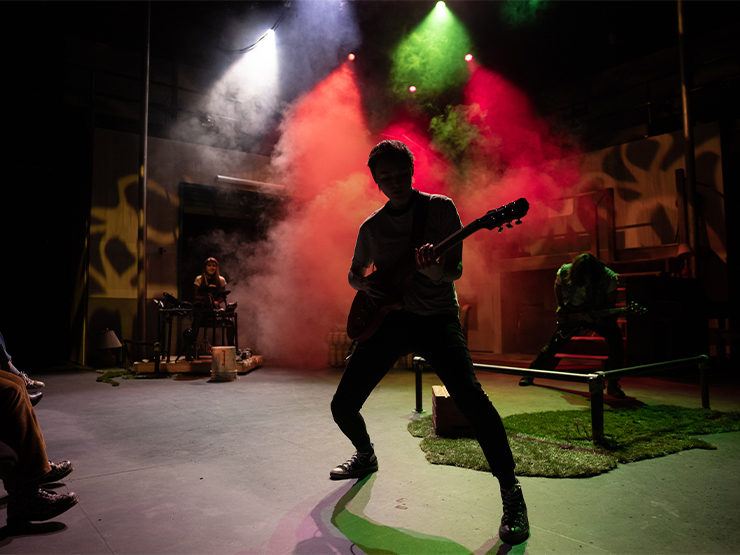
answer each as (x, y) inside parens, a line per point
(351, 57)
(266, 34)
(252, 81)
(468, 57)
(440, 4)
(206, 121)
(412, 89)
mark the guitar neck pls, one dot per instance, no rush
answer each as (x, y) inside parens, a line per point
(610, 311)
(457, 237)
(494, 218)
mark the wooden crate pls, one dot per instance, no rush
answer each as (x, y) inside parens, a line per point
(340, 344)
(447, 419)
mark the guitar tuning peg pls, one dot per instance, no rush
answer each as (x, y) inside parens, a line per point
(518, 222)
(509, 225)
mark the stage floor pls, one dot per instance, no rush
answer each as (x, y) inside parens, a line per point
(192, 466)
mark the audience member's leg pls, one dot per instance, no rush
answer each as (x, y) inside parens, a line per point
(21, 432)
(8, 458)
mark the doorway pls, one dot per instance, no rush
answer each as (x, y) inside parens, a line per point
(225, 223)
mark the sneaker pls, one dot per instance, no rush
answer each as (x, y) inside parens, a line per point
(57, 472)
(526, 380)
(359, 466)
(613, 388)
(40, 504)
(30, 384)
(514, 527)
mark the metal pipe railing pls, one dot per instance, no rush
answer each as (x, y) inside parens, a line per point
(595, 381)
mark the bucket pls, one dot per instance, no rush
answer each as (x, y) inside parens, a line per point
(223, 364)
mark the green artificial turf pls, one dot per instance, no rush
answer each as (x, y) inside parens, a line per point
(107, 375)
(557, 444)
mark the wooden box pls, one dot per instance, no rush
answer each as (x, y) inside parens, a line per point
(447, 419)
(340, 344)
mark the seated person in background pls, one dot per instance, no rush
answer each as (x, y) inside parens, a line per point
(21, 440)
(581, 288)
(207, 293)
(7, 365)
(209, 285)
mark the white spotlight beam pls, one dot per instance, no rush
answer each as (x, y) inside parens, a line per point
(255, 186)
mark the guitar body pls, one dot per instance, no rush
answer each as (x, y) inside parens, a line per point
(366, 314)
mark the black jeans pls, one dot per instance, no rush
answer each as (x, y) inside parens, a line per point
(439, 339)
(608, 329)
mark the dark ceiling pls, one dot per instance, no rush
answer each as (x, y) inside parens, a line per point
(559, 44)
(563, 41)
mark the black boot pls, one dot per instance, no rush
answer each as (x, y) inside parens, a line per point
(613, 389)
(514, 527)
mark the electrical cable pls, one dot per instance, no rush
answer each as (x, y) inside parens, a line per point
(254, 44)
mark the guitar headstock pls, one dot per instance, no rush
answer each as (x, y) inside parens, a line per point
(514, 211)
(634, 308)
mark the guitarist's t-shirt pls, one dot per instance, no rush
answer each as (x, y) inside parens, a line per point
(383, 240)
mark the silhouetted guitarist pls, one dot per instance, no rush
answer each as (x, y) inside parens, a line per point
(409, 225)
(586, 293)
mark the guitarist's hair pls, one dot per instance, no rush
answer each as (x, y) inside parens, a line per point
(389, 148)
(584, 265)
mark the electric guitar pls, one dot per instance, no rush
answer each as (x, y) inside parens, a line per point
(366, 313)
(593, 316)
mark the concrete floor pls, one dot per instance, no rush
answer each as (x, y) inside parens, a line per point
(188, 466)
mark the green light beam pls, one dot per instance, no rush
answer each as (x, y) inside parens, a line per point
(431, 57)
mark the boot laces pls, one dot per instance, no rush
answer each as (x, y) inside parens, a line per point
(514, 507)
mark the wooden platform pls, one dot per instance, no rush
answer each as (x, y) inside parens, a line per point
(200, 366)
